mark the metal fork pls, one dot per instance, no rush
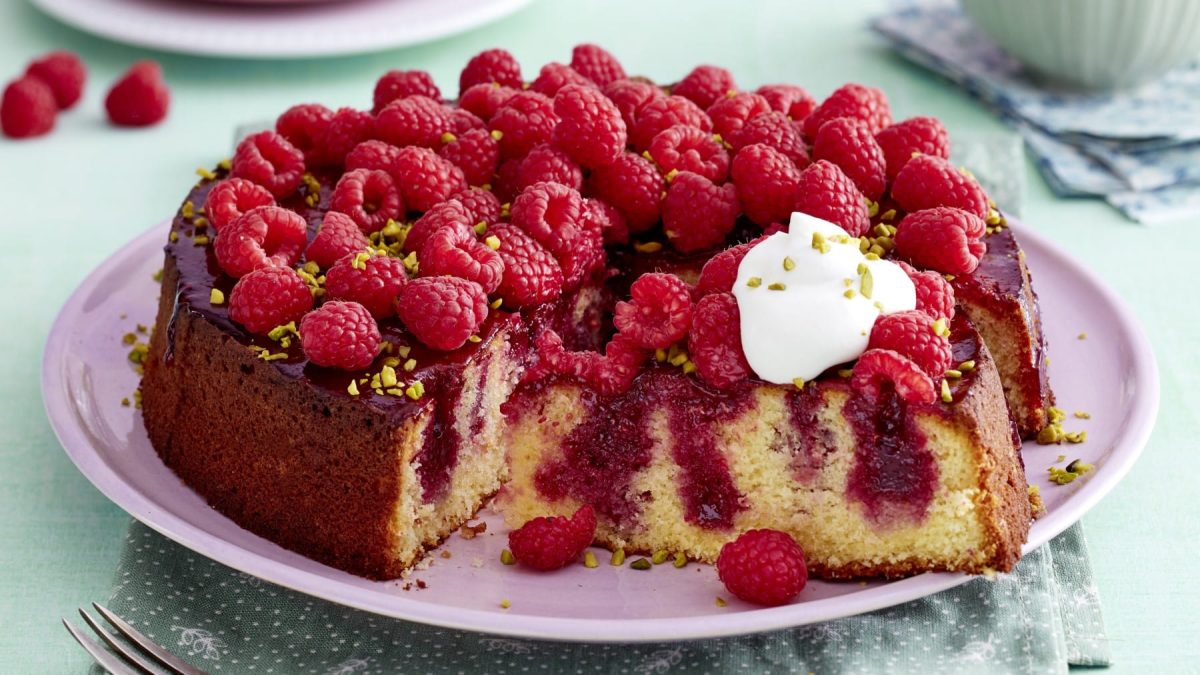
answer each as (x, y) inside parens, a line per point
(111, 662)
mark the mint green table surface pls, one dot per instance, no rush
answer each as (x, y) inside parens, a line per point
(71, 199)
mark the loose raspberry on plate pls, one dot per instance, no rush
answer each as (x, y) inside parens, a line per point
(554, 76)
(483, 100)
(825, 192)
(877, 367)
(547, 164)
(454, 251)
(776, 130)
(302, 126)
(337, 237)
(139, 98)
(590, 129)
(340, 335)
(610, 373)
(531, 274)
(920, 135)
(686, 148)
(266, 158)
(658, 312)
(425, 179)
(927, 181)
(629, 96)
(524, 121)
(369, 197)
(606, 219)
(715, 341)
(373, 155)
(912, 334)
(494, 65)
(346, 130)
(765, 567)
(269, 297)
(442, 312)
(551, 542)
(373, 281)
(704, 85)
(482, 206)
(633, 186)
(848, 143)
(766, 182)
(730, 113)
(232, 197)
(662, 113)
(268, 236)
(28, 108)
(64, 73)
(792, 101)
(942, 238)
(597, 64)
(698, 214)
(398, 84)
(935, 295)
(866, 104)
(413, 120)
(476, 153)
(443, 214)
(720, 272)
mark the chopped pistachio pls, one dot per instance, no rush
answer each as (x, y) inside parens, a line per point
(640, 564)
(387, 377)
(671, 175)
(660, 355)
(1083, 415)
(872, 208)
(659, 557)
(721, 601)
(819, 243)
(137, 398)
(648, 247)
(953, 374)
(1083, 336)
(867, 286)
(798, 382)
(1061, 458)
(225, 165)
(158, 276)
(1056, 415)
(947, 397)
(507, 558)
(589, 560)
(497, 134)
(493, 242)
(403, 350)
(777, 286)
(1050, 434)
(618, 558)
(410, 365)
(845, 372)
(850, 293)
(125, 402)
(474, 339)
(495, 304)
(504, 604)
(788, 264)
(360, 260)
(1075, 436)
(201, 240)
(352, 388)
(216, 297)
(206, 174)
(129, 338)
(415, 390)
(680, 560)
(679, 359)
(940, 328)
(754, 282)
(188, 209)
(888, 215)
(967, 366)
(200, 223)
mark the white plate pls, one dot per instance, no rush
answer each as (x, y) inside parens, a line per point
(277, 30)
(85, 374)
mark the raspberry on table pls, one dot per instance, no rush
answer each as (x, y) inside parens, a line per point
(140, 97)
(848, 143)
(730, 113)
(606, 219)
(597, 64)
(610, 373)
(494, 65)
(398, 84)
(704, 85)
(935, 295)
(443, 214)
(866, 104)
(715, 341)
(481, 206)
(268, 297)
(340, 334)
(266, 158)
(629, 96)
(633, 186)
(28, 108)
(462, 121)
(766, 567)
(337, 237)
(658, 313)
(766, 182)
(413, 120)
(920, 135)
(824, 191)
(554, 76)
(425, 179)
(776, 130)
(912, 334)
(232, 197)
(302, 126)
(698, 214)
(547, 164)
(552, 542)
(268, 236)
(64, 73)
(344, 132)
(369, 196)
(373, 281)
(531, 274)
(662, 113)
(525, 120)
(442, 312)
(483, 100)
(590, 129)
(374, 156)
(476, 152)
(455, 251)
(685, 148)
(926, 181)
(942, 238)
(794, 102)
(720, 272)
(879, 367)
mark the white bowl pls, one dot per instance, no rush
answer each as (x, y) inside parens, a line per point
(1094, 44)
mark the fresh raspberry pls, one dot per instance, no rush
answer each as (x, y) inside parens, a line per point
(605, 218)
(442, 312)
(531, 274)
(373, 156)
(493, 65)
(730, 113)
(372, 281)
(444, 214)
(634, 187)
(262, 237)
(825, 192)
(878, 366)
(553, 215)
(610, 373)
(547, 164)
(266, 158)
(525, 120)
(792, 101)
(685, 148)
(28, 108)
(425, 179)
(397, 84)
(773, 129)
(704, 85)
(462, 121)
(268, 297)
(590, 129)
(663, 113)
(596, 64)
(505, 185)
(765, 567)
(911, 334)
(849, 144)
(774, 228)
(766, 182)
(715, 341)
(920, 135)
(455, 251)
(629, 96)
(698, 214)
(340, 335)
(413, 120)
(369, 197)
(927, 181)
(338, 237)
(64, 73)
(302, 126)
(483, 100)
(346, 130)
(232, 197)
(140, 98)
(935, 295)
(945, 239)
(550, 542)
(476, 152)
(720, 272)
(482, 206)
(554, 76)
(658, 313)
(866, 104)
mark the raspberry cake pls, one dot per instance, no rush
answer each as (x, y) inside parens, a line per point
(680, 313)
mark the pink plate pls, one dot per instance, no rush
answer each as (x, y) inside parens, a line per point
(85, 375)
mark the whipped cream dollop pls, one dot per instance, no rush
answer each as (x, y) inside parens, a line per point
(808, 299)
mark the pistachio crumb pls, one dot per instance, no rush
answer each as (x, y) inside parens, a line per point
(206, 174)
(640, 564)
(618, 558)
(967, 366)
(409, 365)
(953, 374)
(201, 240)
(689, 368)
(475, 339)
(721, 602)
(1061, 458)
(819, 243)
(850, 293)
(495, 304)
(648, 247)
(1079, 414)
(788, 264)
(679, 359)
(888, 215)
(1055, 415)
(1083, 336)
(754, 282)
(507, 558)
(216, 297)
(777, 286)
(352, 389)
(589, 560)
(947, 397)
(659, 557)
(415, 390)
(158, 276)
(798, 382)
(493, 242)
(681, 560)
(125, 402)
(403, 350)
(1075, 436)
(504, 604)
(670, 174)
(387, 377)
(845, 372)
(188, 209)
(940, 328)
(448, 138)
(867, 286)
(225, 164)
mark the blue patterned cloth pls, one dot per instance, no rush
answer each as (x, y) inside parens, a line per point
(1139, 149)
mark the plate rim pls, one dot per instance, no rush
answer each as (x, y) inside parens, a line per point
(1133, 437)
